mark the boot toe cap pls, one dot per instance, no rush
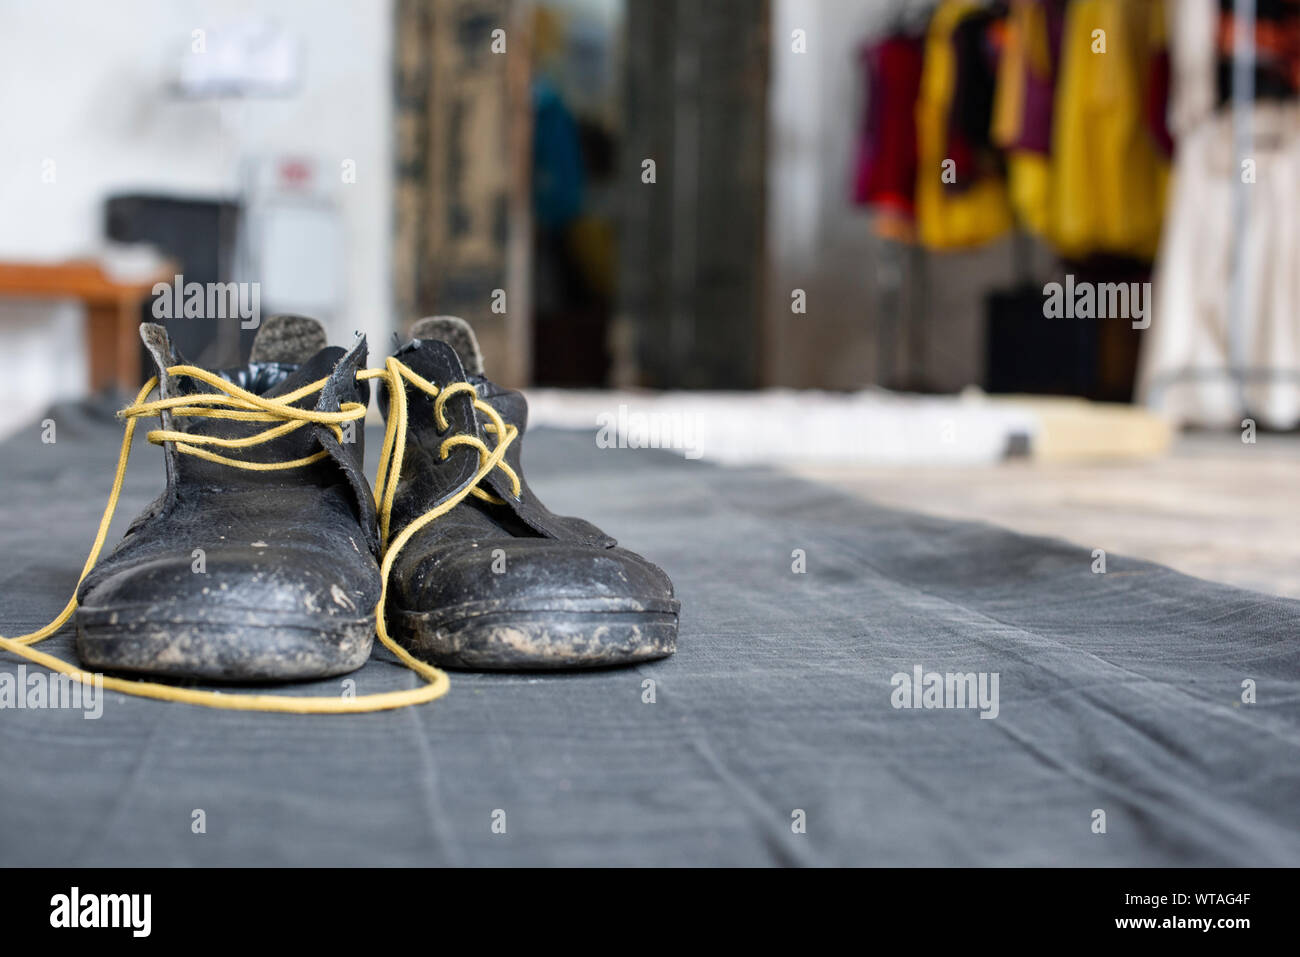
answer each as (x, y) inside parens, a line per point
(534, 603)
(242, 613)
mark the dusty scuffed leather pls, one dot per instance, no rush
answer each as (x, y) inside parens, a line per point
(291, 576)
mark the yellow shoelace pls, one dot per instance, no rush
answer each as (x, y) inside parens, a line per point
(232, 402)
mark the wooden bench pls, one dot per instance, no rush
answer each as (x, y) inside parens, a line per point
(112, 312)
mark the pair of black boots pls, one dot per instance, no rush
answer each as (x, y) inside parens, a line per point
(268, 557)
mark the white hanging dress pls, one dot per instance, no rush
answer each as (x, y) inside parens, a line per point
(1186, 356)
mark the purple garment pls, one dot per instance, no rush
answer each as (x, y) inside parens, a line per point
(1040, 91)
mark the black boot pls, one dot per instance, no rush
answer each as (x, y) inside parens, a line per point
(498, 581)
(244, 575)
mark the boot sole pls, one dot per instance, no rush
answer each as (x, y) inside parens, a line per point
(562, 635)
(256, 647)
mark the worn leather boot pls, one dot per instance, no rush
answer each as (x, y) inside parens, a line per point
(498, 581)
(254, 573)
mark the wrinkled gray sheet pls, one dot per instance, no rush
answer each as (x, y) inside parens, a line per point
(1119, 692)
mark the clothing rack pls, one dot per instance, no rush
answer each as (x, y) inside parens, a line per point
(902, 267)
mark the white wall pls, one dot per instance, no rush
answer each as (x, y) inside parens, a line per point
(816, 239)
(82, 83)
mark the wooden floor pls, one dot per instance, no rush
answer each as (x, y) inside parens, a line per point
(1214, 507)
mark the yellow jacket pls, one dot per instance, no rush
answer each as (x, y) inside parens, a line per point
(1107, 176)
(948, 218)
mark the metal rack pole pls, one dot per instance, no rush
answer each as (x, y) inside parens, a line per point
(1243, 101)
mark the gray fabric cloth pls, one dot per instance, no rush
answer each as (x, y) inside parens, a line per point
(1119, 692)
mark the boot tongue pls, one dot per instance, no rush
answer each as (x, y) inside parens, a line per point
(456, 333)
(287, 340)
(283, 343)
(289, 351)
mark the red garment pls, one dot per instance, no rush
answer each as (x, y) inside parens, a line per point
(885, 176)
